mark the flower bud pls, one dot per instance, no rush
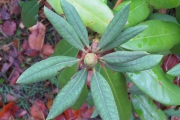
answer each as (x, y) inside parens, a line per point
(90, 60)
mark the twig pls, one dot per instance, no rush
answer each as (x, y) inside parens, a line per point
(117, 3)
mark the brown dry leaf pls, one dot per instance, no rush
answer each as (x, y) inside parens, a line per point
(38, 110)
(9, 27)
(36, 38)
(47, 50)
(15, 7)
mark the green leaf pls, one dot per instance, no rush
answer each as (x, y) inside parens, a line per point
(178, 14)
(29, 14)
(172, 112)
(75, 21)
(64, 29)
(46, 69)
(68, 95)
(158, 36)
(103, 97)
(117, 83)
(115, 27)
(164, 17)
(139, 11)
(154, 83)
(164, 4)
(144, 63)
(63, 48)
(146, 109)
(81, 100)
(175, 71)
(123, 56)
(125, 36)
(96, 20)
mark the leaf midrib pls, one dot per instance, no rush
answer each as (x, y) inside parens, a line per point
(76, 24)
(112, 30)
(119, 104)
(148, 37)
(144, 106)
(74, 40)
(32, 74)
(162, 83)
(31, 10)
(91, 13)
(74, 86)
(101, 95)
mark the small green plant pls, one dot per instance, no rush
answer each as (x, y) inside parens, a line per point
(75, 33)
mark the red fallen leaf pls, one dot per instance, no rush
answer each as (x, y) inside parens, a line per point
(60, 117)
(8, 110)
(69, 114)
(4, 15)
(14, 77)
(10, 98)
(36, 38)
(85, 111)
(38, 110)
(15, 7)
(169, 62)
(9, 27)
(47, 50)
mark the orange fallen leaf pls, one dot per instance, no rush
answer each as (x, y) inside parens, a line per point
(8, 111)
(36, 38)
(49, 103)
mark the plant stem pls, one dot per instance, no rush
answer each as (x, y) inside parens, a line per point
(117, 3)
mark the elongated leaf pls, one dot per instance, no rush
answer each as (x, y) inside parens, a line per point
(46, 69)
(125, 36)
(164, 17)
(103, 97)
(64, 29)
(75, 21)
(139, 11)
(96, 20)
(172, 112)
(117, 83)
(64, 48)
(29, 13)
(146, 109)
(144, 63)
(158, 36)
(177, 14)
(164, 3)
(68, 95)
(115, 27)
(175, 71)
(154, 83)
(123, 56)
